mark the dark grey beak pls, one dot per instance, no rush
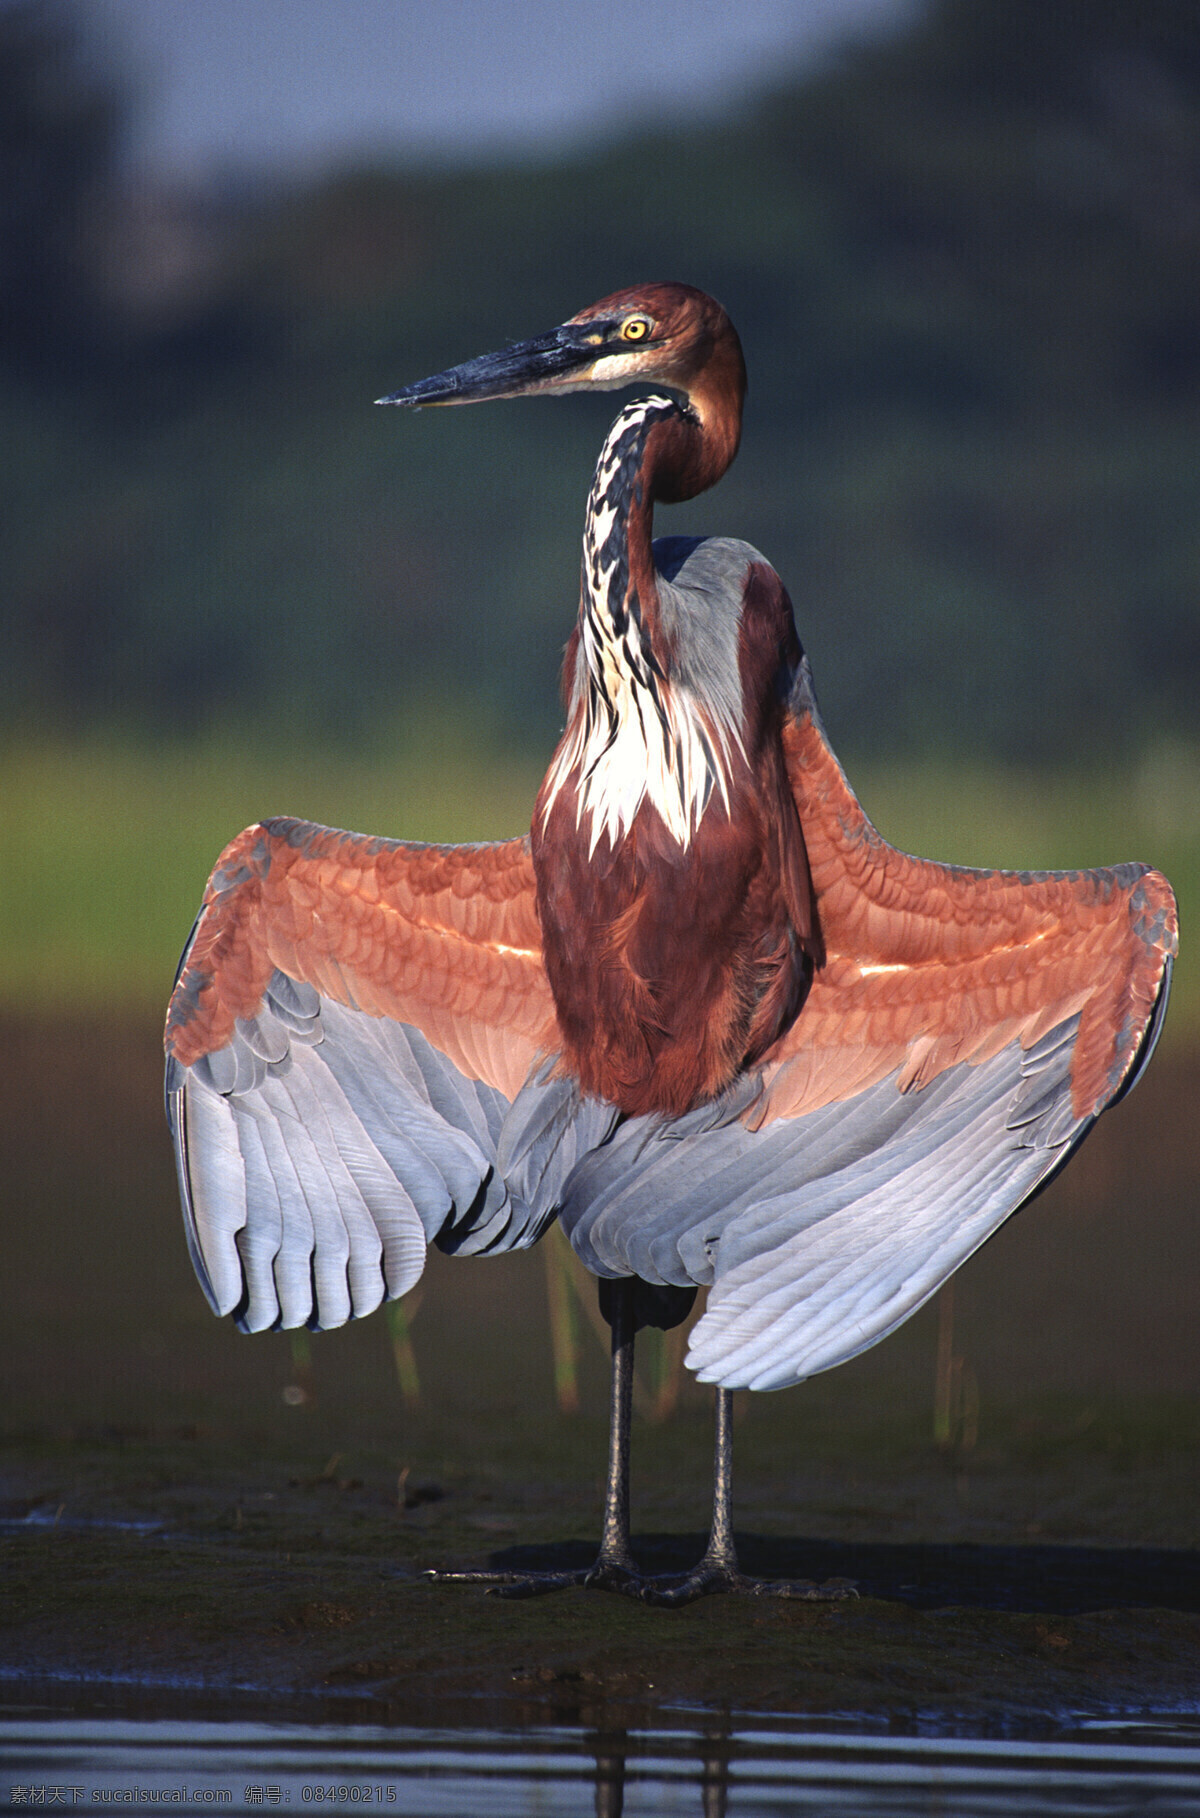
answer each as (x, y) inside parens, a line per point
(545, 364)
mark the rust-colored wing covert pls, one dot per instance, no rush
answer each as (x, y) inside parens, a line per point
(444, 938)
(928, 965)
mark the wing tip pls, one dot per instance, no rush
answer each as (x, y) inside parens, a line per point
(1136, 1056)
(176, 1106)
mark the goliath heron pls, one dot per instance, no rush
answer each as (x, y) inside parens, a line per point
(703, 1015)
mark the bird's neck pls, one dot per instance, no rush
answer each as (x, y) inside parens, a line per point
(619, 620)
(656, 449)
(634, 733)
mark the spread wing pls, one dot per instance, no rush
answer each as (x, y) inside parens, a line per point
(963, 1033)
(928, 965)
(360, 1058)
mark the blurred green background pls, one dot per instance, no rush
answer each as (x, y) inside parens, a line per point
(965, 263)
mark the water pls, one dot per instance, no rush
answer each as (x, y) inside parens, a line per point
(714, 1767)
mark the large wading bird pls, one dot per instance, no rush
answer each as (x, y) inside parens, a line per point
(704, 1015)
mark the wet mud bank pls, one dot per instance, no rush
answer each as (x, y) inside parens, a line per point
(295, 1594)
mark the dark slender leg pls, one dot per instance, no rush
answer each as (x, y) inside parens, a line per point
(719, 1570)
(615, 1557)
(721, 1552)
(614, 1569)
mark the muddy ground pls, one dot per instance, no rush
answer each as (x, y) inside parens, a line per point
(186, 1508)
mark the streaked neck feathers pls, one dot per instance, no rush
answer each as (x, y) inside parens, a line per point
(638, 730)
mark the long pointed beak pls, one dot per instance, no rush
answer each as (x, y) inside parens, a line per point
(559, 361)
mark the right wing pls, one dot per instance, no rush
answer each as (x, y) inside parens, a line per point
(930, 965)
(361, 1052)
(961, 1036)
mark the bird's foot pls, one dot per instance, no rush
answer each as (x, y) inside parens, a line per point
(712, 1577)
(668, 1590)
(604, 1575)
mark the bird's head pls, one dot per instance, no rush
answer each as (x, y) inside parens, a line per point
(670, 334)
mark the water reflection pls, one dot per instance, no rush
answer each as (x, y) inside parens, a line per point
(710, 1767)
(617, 1755)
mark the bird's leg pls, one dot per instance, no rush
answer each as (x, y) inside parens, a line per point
(721, 1553)
(718, 1570)
(614, 1569)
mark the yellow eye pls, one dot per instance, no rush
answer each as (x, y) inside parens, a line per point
(636, 329)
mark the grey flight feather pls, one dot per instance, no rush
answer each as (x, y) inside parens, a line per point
(337, 1150)
(322, 1149)
(820, 1234)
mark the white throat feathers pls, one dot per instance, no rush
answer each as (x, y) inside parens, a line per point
(634, 732)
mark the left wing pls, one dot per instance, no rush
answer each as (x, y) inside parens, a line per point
(360, 1058)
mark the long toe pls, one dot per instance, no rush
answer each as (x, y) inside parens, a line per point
(605, 1576)
(511, 1584)
(537, 1584)
(712, 1580)
(832, 1591)
(703, 1581)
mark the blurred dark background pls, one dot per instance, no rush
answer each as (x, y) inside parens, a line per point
(965, 262)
